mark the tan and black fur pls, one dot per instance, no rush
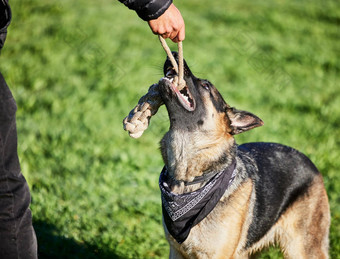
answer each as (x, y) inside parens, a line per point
(277, 196)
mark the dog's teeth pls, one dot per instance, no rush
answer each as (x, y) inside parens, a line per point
(186, 98)
(171, 79)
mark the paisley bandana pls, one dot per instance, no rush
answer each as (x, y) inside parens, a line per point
(181, 212)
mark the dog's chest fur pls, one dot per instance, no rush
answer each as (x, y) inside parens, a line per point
(189, 154)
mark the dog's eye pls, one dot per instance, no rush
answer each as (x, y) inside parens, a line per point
(206, 86)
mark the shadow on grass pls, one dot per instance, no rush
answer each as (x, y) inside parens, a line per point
(50, 245)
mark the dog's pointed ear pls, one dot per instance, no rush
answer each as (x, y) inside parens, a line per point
(241, 121)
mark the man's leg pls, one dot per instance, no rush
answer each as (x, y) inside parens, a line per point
(17, 236)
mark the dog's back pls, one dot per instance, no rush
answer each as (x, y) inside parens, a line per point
(290, 201)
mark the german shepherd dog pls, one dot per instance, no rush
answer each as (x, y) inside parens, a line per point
(262, 193)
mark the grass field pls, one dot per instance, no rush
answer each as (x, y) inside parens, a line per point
(76, 68)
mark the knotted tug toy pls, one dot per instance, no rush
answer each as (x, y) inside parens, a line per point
(139, 118)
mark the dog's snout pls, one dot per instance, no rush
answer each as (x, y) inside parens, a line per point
(170, 72)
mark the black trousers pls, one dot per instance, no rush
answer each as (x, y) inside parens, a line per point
(17, 236)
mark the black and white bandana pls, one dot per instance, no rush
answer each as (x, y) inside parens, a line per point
(183, 211)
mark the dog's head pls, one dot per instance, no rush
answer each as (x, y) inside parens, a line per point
(199, 107)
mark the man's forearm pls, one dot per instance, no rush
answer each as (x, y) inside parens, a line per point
(148, 9)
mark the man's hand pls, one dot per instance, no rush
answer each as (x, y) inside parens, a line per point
(169, 25)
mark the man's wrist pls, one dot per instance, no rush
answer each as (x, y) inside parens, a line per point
(154, 9)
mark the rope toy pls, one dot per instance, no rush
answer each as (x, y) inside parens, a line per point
(138, 119)
(178, 80)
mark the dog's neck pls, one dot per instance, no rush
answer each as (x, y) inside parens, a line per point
(188, 155)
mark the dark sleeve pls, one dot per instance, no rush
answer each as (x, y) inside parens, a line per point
(148, 9)
(5, 19)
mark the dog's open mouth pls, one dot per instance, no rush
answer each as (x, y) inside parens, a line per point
(184, 96)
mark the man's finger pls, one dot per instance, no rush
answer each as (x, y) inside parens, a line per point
(173, 35)
(166, 35)
(181, 34)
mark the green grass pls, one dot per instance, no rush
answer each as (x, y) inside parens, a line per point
(76, 68)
